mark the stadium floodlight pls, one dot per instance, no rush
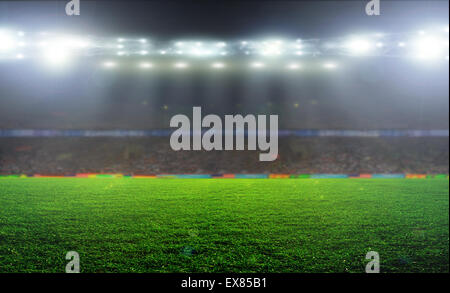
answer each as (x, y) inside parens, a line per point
(271, 52)
(181, 65)
(6, 41)
(359, 46)
(59, 51)
(424, 45)
(109, 64)
(293, 66)
(329, 65)
(200, 53)
(218, 65)
(428, 48)
(271, 48)
(257, 65)
(19, 56)
(145, 65)
(56, 55)
(76, 43)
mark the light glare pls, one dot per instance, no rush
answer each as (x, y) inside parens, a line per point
(181, 65)
(109, 64)
(218, 65)
(145, 65)
(257, 65)
(428, 48)
(56, 56)
(359, 46)
(293, 66)
(329, 65)
(6, 41)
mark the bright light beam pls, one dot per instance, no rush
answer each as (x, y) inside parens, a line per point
(218, 65)
(181, 65)
(257, 65)
(109, 64)
(293, 66)
(428, 48)
(329, 65)
(145, 65)
(6, 41)
(359, 47)
(56, 56)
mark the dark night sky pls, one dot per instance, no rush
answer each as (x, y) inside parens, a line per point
(224, 19)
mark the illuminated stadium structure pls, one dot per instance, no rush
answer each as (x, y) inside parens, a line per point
(270, 54)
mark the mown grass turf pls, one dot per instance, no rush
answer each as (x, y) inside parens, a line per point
(220, 225)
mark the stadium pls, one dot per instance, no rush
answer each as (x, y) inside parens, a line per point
(90, 183)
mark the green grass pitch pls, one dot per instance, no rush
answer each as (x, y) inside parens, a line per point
(223, 225)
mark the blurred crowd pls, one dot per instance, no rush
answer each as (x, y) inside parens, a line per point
(139, 156)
